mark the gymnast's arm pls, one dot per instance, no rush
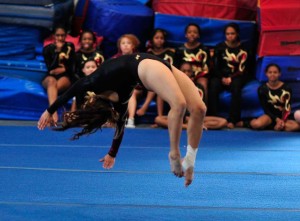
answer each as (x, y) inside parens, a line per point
(109, 159)
(118, 137)
(80, 86)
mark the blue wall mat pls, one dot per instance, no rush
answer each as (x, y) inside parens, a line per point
(112, 18)
(250, 103)
(22, 99)
(211, 29)
(142, 1)
(290, 67)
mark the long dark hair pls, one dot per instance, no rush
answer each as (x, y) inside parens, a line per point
(95, 112)
(272, 65)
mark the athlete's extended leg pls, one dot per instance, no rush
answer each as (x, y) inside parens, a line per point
(158, 78)
(197, 110)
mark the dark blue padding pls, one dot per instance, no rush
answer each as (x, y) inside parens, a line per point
(113, 18)
(211, 29)
(295, 95)
(18, 42)
(37, 15)
(22, 99)
(32, 70)
(290, 67)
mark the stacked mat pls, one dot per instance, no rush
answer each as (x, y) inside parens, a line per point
(279, 42)
(279, 25)
(21, 94)
(21, 46)
(45, 13)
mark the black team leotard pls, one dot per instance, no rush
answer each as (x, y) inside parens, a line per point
(198, 57)
(65, 57)
(119, 75)
(276, 103)
(167, 54)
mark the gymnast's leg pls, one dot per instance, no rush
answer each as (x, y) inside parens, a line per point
(197, 110)
(159, 78)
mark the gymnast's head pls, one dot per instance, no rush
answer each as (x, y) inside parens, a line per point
(93, 114)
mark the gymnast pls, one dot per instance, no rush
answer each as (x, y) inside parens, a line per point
(109, 89)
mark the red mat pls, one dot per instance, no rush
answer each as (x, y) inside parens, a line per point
(225, 9)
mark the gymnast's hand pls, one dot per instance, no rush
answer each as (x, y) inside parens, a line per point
(108, 161)
(45, 120)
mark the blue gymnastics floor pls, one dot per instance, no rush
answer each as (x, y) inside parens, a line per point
(240, 175)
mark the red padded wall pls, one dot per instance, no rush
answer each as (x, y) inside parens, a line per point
(279, 43)
(224, 9)
(279, 15)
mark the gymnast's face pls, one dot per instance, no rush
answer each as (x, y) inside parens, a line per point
(87, 41)
(273, 74)
(89, 67)
(192, 34)
(231, 34)
(187, 69)
(126, 46)
(60, 36)
(158, 40)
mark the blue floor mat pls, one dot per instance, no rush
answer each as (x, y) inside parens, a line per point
(240, 175)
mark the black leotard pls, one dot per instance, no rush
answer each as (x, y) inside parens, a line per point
(119, 75)
(65, 57)
(198, 57)
(167, 54)
(230, 62)
(276, 103)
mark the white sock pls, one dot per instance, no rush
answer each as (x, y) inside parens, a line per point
(190, 157)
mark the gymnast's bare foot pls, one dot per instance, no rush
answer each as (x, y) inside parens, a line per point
(188, 168)
(175, 163)
(189, 176)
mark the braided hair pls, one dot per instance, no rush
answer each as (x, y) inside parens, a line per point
(95, 112)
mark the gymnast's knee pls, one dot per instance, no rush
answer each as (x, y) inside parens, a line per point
(179, 108)
(198, 110)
